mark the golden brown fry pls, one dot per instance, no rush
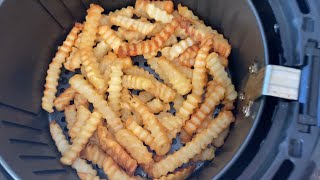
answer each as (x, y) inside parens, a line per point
(90, 28)
(70, 112)
(160, 90)
(221, 76)
(199, 142)
(115, 87)
(185, 137)
(150, 121)
(204, 124)
(178, 80)
(180, 174)
(140, 132)
(158, 14)
(55, 69)
(91, 67)
(205, 155)
(83, 115)
(173, 52)
(63, 100)
(110, 37)
(199, 77)
(155, 106)
(83, 87)
(136, 82)
(113, 171)
(171, 41)
(62, 144)
(205, 109)
(94, 153)
(219, 141)
(172, 125)
(115, 150)
(228, 105)
(79, 100)
(185, 12)
(140, 7)
(130, 36)
(81, 140)
(145, 96)
(132, 24)
(134, 147)
(148, 46)
(188, 106)
(73, 62)
(187, 58)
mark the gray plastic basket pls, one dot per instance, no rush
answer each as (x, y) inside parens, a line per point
(31, 31)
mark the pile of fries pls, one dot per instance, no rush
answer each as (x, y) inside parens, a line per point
(126, 131)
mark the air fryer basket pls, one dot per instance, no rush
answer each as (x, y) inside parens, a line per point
(30, 33)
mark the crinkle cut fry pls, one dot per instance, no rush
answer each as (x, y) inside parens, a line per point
(205, 155)
(148, 46)
(138, 25)
(134, 147)
(115, 87)
(198, 143)
(110, 37)
(180, 174)
(205, 109)
(86, 176)
(187, 58)
(91, 68)
(90, 28)
(150, 121)
(70, 112)
(94, 153)
(115, 150)
(54, 70)
(63, 100)
(82, 139)
(177, 49)
(83, 115)
(199, 76)
(136, 82)
(62, 144)
(160, 90)
(221, 76)
(140, 6)
(114, 171)
(158, 14)
(83, 87)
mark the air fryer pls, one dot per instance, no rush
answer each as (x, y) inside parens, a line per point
(272, 138)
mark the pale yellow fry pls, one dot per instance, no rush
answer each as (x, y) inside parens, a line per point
(81, 140)
(180, 174)
(70, 112)
(178, 80)
(173, 52)
(158, 14)
(160, 90)
(185, 70)
(205, 109)
(130, 36)
(54, 70)
(140, 132)
(199, 76)
(83, 87)
(80, 100)
(90, 28)
(188, 107)
(221, 76)
(83, 115)
(134, 147)
(205, 155)
(155, 106)
(113, 171)
(110, 37)
(150, 121)
(191, 149)
(63, 100)
(136, 82)
(101, 49)
(153, 63)
(132, 24)
(219, 141)
(62, 144)
(91, 67)
(115, 87)
(145, 96)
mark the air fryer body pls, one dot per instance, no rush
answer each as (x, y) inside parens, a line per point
(32, 30)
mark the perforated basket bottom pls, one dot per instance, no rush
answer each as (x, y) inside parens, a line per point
(60, 118)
